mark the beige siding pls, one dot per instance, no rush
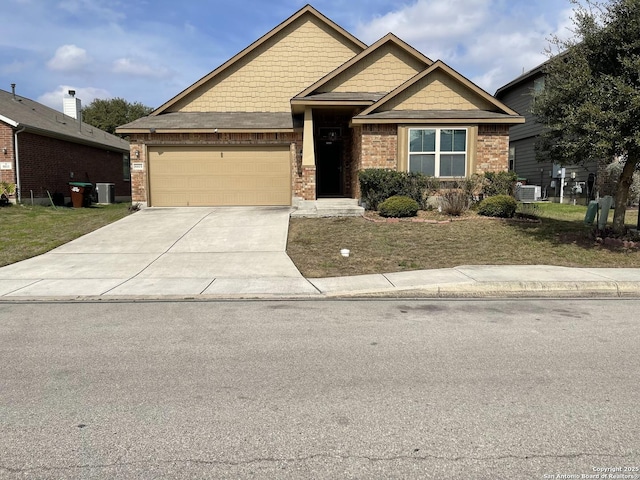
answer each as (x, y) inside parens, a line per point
(220, 175)
(437, 91)
(266, 79)
(381, 71)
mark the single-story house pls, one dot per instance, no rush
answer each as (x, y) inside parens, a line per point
(518, 94)
(296, 114)
(42, 150)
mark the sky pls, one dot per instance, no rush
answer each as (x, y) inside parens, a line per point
(148, 51)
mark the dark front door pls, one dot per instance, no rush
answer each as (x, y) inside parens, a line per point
(329, 168)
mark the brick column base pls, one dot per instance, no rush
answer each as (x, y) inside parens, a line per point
(309, 182)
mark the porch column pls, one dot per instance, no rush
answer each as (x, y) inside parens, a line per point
(308, 146)
(308, 157)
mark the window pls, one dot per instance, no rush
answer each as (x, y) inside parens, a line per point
(512, 158)
(126, 167)
(538, 85)
(438, 152)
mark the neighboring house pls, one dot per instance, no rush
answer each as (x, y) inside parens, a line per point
(42, 150)
(518, 95)
(299, 112)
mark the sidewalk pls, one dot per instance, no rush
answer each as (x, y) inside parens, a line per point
(460, 282)
(489, 281)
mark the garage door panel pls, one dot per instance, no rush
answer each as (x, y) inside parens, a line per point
(209, 176)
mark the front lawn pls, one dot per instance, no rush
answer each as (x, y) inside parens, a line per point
(28, 231)
(560, 238)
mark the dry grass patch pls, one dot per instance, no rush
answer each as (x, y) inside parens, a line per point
(28, 231)
(559, 239)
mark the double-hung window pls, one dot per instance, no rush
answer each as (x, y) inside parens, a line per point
(438, 152)
(126, 167)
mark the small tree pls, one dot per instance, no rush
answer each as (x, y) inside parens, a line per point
(109, 114)
(590, 104)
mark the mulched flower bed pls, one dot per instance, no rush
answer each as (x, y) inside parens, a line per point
(436, 218)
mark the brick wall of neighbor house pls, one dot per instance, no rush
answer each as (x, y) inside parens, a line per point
(46, 164)
(492, 149)
(6, 141)
(299, 175)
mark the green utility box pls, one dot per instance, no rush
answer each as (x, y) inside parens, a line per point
(592, 211)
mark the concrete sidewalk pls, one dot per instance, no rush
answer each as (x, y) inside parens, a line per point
(460, 282)
(489, 281)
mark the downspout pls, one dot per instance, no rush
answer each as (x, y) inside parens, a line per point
(17, 156)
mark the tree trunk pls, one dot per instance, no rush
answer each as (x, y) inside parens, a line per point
(622, 193)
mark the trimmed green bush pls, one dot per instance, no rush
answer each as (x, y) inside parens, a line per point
(502, 206)
(377, 184)
(499, 183)
(398, 206)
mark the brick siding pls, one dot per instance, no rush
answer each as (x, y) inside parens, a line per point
(6, 141)
(492, 149)
(370, 146)
(356, 164)
(379, 146)
(46, 165)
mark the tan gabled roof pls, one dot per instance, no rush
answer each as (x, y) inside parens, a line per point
(308, 9)
(439, 65)
(388, 38)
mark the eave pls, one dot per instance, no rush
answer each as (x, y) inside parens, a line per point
(8, 121)
(437, 121)
(151, 131)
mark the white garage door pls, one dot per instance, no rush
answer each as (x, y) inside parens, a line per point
(221, 175)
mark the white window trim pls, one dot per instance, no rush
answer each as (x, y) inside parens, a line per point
(437, 152)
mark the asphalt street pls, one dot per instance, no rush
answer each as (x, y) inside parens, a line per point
(319, 389)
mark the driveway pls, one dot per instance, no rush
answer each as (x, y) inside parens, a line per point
(168, 251)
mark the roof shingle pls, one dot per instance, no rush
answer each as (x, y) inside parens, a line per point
(49, 122)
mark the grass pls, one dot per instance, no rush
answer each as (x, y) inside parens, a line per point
(560, 238)
(28, 231)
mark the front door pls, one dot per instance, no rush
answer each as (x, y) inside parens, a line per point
(329, 168)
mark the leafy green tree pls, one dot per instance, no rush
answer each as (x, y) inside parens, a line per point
(109, 114)
(590, 104)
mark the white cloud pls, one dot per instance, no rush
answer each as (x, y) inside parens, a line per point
(429, 20)
(86, 95)
(490, 42)
(69, 58)
(136, 67)
(14, 67)
(95, 8)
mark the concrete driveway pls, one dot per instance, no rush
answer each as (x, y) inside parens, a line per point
(168, 251)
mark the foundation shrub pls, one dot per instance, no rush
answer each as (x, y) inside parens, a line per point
(377, 184)
(499, 183)
(398, 206)
(503, 206)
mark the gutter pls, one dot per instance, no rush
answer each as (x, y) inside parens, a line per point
(17, 158)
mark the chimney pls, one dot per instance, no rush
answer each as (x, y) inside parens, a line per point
(72, 106)
(13, 90)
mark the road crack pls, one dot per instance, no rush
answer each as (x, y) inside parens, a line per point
(253, 461)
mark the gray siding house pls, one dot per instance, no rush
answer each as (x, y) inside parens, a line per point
(518, 95)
